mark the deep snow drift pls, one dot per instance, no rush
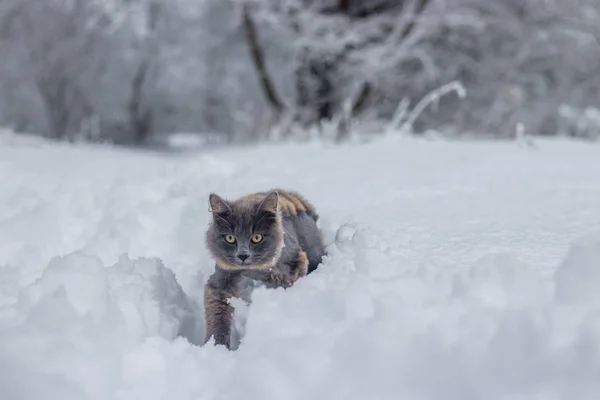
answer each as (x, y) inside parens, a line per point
(460, 271)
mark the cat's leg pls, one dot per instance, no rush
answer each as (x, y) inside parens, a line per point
(286, 273)
(299, 267)
(218, 313)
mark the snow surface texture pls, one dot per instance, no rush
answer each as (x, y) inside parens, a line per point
(457, 271)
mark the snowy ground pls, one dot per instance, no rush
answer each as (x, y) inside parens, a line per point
(463, 272)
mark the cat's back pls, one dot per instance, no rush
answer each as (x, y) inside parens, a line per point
(299, 219)
(302, 228)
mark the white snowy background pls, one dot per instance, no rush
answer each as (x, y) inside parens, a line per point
(460, 271)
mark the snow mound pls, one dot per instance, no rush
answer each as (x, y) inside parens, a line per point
(578, 276)
(141, 294)
(80, 280)
(79, 317)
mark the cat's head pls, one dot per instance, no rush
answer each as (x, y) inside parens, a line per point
(246, 233)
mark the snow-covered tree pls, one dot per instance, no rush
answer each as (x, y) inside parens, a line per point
(55, 53)
(129, 69)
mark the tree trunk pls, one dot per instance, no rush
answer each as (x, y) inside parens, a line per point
(139, 119)
(57, 113)
(65, 105)
(140, 114)
(258, 59)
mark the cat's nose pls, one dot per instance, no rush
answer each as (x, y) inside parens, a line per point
(243, 256)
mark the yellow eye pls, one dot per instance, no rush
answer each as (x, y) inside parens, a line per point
(230, 239)
(257, 238)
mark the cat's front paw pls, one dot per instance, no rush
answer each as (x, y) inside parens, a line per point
(279, 278)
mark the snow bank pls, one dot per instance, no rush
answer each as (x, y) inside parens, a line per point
(73, 324)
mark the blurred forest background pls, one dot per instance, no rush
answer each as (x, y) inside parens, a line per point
(126, 71)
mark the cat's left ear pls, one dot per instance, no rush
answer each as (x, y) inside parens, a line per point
(218, 205)
(270, 203)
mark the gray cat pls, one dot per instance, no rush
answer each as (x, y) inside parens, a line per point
(268, 237)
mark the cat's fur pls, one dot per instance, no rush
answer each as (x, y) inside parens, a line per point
(291, 248)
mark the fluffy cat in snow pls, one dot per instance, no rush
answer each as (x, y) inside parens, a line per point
(271, 237)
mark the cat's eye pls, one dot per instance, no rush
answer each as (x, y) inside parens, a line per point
(230, 239)
(257, 238)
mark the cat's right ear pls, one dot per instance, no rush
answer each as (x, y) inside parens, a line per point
(218, 205)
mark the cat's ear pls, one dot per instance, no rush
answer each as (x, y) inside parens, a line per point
(218, 205)
(270, 203)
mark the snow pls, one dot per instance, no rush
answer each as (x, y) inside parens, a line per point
(456, 271)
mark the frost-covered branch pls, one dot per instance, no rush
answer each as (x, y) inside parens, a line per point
(431, 98)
